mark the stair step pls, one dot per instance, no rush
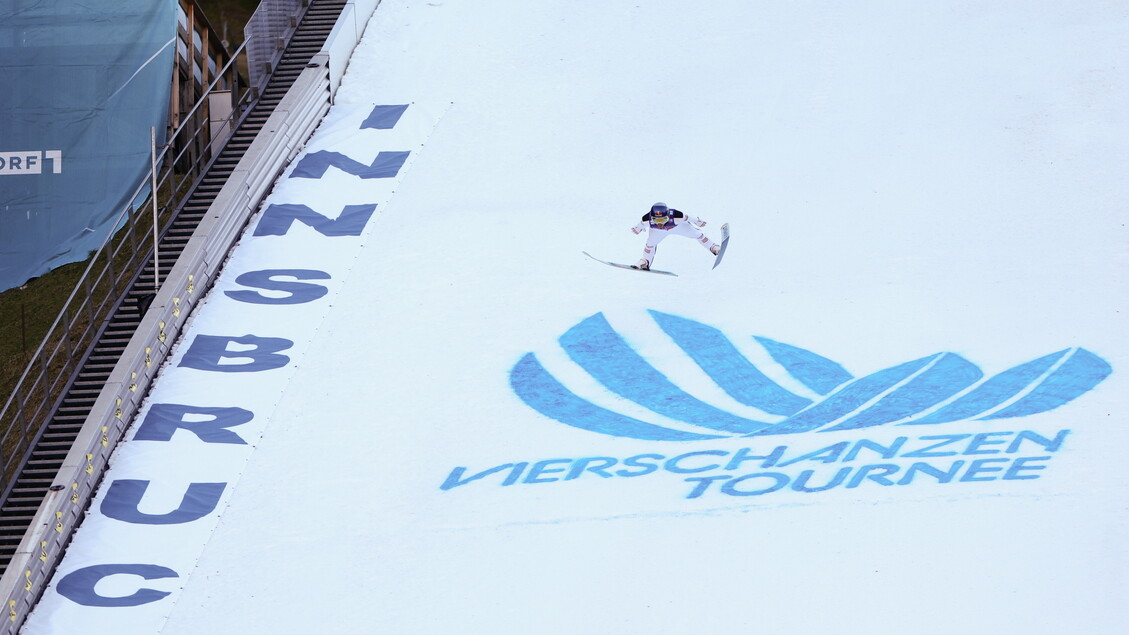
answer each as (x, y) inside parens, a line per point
(91, 382)
(74, 410)
(58, 437)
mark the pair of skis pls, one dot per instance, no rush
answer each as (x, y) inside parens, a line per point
(716, 261)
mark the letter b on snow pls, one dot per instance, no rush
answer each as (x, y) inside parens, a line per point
(253, 353)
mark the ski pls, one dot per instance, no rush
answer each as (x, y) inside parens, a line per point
(633, 268)
(724, 244)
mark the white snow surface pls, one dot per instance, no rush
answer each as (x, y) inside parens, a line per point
(901, 179)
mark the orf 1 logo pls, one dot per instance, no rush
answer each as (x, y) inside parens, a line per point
(940, 388)
(30, 162)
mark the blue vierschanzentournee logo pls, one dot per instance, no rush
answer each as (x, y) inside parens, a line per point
(939, 388)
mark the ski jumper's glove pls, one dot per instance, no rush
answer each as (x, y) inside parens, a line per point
(638, 229)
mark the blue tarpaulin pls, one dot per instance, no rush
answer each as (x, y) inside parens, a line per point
(83, 83)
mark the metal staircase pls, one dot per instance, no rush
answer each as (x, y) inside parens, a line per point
(28, 490)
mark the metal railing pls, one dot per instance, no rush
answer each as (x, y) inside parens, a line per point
(112, 270)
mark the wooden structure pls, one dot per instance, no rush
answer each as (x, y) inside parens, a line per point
(201, 59)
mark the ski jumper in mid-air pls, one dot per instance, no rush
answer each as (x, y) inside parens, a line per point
(663, 221)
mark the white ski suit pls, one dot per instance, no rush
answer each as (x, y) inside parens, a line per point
(677, 223)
